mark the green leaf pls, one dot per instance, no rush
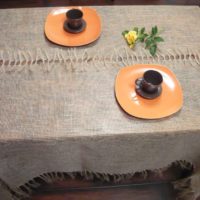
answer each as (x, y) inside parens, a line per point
(142, 30)
(144, 36)
(124, 32)
(148, 42)
(141, 38)
(135, 29)
(154, 30)
(153, 49)
(158, 39)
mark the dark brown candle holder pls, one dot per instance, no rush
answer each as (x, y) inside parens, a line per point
(74, 22)
(149, 86)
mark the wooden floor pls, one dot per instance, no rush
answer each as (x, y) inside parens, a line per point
(154, 192)
(153, 187)
(46, 3)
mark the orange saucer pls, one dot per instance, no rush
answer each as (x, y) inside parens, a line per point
(54, 27)
(169, 102)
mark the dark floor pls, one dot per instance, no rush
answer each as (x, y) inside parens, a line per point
(155, 186)
(43, 3)
(158, 192)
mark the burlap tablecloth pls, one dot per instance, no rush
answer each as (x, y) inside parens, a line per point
(57, 106)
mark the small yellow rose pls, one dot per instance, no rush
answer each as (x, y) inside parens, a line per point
(131, 37)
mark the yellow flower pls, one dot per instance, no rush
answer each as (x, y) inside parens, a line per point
(131, 37)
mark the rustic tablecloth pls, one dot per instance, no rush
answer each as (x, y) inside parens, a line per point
(57, 106)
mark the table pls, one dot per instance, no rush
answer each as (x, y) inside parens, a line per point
(50, 3)
(57, 107)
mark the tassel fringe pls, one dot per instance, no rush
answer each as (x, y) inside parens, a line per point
(25, 191)
(75, 60)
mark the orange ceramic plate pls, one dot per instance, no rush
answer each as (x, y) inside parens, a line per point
(169, 102)
(54, 27)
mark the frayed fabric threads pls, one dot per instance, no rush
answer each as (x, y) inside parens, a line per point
(79, 61)
(188, 188)
(25, 191)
